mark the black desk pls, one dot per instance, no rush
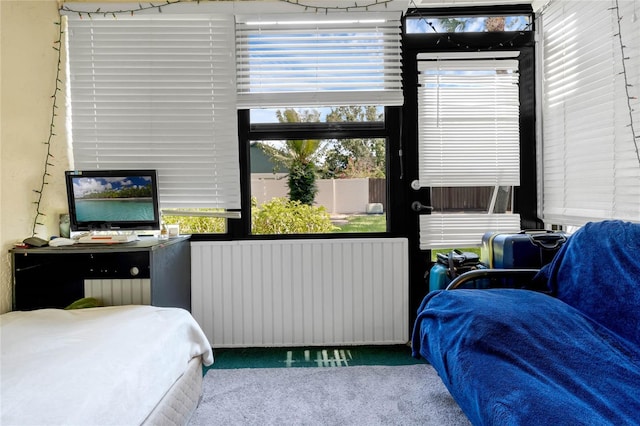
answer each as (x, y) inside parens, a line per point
(54, 277)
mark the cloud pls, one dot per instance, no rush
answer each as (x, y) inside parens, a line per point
(85, 186)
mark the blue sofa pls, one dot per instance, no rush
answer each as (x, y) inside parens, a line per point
(566, 356)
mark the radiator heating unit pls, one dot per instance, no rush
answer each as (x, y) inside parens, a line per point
(301, 292)
(114, 292)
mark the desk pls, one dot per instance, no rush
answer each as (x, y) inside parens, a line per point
(149, 271)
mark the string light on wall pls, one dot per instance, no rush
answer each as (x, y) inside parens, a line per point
(356, 5)
(627, 85)
(57, 45)
(114, 13)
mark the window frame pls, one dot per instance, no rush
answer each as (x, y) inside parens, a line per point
(525, 196)
(390, 130)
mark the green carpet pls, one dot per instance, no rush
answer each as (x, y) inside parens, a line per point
(313, 357)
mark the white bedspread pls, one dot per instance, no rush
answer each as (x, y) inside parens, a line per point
(99, 366)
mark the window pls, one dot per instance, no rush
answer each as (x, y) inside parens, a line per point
(346, 149)
(154, 92)
(315, 89)
(591, 113)
(464, 24)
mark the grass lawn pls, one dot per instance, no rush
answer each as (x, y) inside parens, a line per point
(367, 223)
(378, 223)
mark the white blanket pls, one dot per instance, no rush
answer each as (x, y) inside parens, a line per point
(99, 366)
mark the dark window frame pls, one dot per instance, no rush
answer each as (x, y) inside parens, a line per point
(240, 229)
(525, 196)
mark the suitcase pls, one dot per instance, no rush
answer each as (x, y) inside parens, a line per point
(450, 265)
(527, 249)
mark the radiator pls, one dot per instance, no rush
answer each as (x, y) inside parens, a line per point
(301, 292)
(113, 292)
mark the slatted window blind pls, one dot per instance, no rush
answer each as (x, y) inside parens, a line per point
(468, 110)
(469, 122)
(590, 163)
(158, 92)
(319, 60)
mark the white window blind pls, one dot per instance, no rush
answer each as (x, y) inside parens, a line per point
(158, 92)
(440, 230)
(319, 60)
(468, 123)
(590, 165)
(468, 136)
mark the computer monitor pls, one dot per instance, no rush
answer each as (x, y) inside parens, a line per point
(113, 200)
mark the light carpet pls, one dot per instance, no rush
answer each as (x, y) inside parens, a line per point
(361, 395)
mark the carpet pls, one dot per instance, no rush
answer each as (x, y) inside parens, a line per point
(360, 395)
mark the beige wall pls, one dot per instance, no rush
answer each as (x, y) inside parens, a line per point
(28, 65)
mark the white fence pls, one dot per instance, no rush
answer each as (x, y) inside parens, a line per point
(338, 196)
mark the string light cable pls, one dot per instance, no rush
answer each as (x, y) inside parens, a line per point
(627, 85)
(57, 46)
(308, 6)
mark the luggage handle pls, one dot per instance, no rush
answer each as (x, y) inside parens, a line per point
(547, 240)
(457, 261)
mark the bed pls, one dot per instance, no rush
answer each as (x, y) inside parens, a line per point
(118, 365)
(568, 355)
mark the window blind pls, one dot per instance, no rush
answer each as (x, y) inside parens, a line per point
(468, 136)
(318, 60)
(590, 166)
(158, 92)
(440, 230)
(468, 123)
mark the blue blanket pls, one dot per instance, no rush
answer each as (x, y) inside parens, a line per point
(598, 272)
(518, 357)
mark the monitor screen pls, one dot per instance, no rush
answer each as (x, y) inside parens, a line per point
(113, 200)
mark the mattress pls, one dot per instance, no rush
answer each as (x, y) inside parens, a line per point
(181, 400)
(99, 366)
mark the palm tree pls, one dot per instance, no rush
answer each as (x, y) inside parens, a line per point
(302, 169)
(299, 156)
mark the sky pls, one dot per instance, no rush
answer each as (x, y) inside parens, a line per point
(473, 24)
(83, 186)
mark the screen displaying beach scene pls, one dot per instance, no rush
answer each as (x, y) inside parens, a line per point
(113, 199)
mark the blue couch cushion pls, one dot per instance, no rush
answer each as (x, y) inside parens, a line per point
(518, 357)
(597, 271)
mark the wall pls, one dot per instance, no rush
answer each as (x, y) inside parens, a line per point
(28, 65)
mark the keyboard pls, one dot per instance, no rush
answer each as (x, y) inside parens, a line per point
(107, 239)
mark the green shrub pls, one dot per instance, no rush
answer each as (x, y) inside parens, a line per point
(283, 216)
(197, 224)
(278, 216)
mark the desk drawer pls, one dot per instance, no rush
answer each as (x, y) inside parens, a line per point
(116, 265)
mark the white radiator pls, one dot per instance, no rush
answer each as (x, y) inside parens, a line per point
(301, 292)
(114, 292)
